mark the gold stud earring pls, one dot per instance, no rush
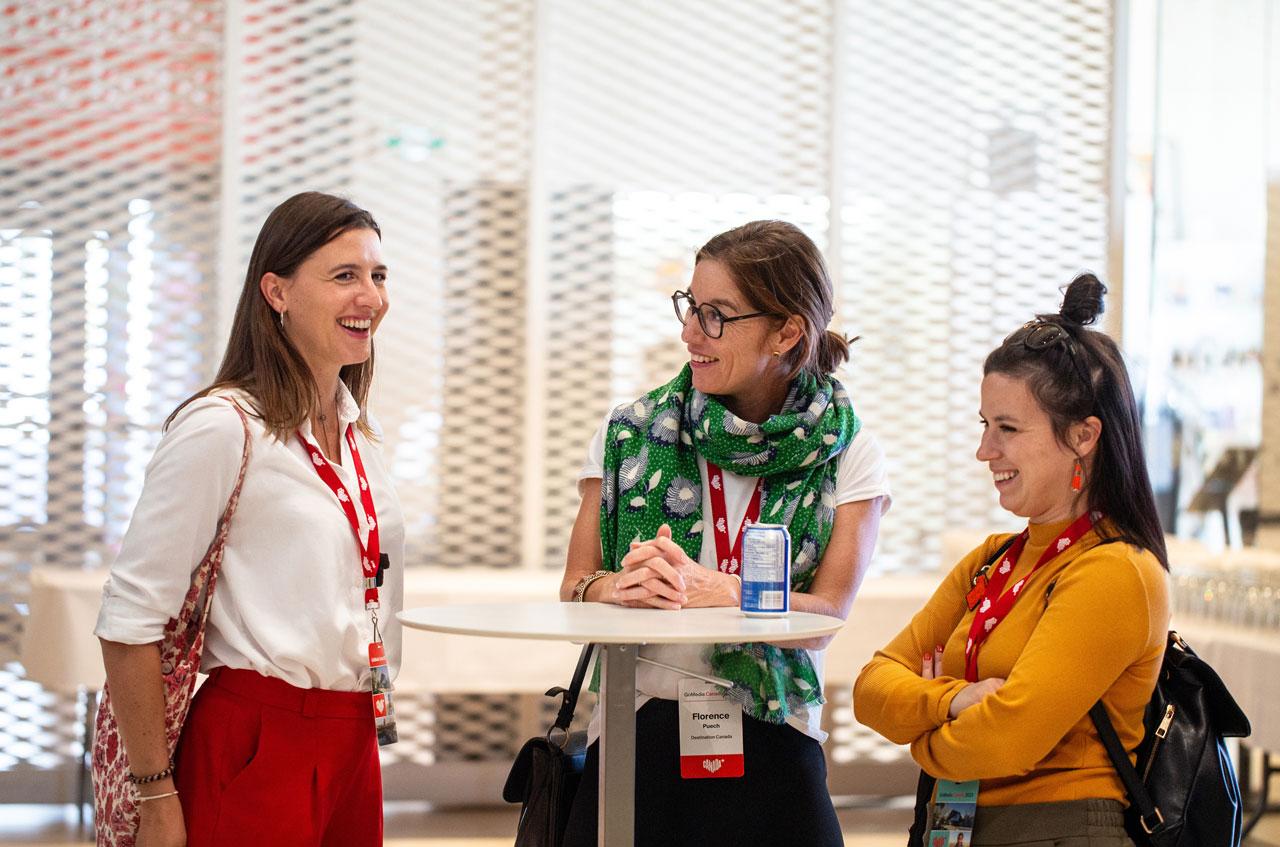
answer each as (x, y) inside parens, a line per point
(776, 354)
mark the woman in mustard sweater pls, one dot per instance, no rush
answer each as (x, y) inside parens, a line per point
(993, 679)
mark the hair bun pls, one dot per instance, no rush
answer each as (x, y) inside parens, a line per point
(1082, 301)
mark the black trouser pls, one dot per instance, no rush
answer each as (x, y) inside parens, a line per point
(781, 799)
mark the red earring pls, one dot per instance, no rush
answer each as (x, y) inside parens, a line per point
(1077, 477)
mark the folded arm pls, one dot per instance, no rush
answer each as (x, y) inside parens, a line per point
(1095, 626)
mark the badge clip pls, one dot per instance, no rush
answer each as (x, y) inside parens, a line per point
(977, 592)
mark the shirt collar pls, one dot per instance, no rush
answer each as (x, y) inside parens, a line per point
(348, 411)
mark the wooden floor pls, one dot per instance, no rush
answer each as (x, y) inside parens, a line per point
(866, 825)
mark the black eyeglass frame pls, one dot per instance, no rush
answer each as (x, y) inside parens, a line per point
(1041, 335)
(696, 309)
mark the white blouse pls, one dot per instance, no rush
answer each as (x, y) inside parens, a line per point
(290, 599)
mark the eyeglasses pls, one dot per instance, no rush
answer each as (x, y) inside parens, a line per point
(1041, 335)
(711, 319)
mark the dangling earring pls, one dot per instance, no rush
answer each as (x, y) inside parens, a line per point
(282, 320)
(1077, 477)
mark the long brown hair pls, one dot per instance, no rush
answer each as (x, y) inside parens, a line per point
(260, 358)
(779, 269)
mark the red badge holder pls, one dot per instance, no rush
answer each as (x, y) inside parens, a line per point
(384, 713)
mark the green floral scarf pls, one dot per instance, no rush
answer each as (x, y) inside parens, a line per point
(651, 477)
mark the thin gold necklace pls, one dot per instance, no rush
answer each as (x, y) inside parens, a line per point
(324, 427)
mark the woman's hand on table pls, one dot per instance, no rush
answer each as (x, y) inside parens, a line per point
(646, 580)
(700, 586)
(970, 695)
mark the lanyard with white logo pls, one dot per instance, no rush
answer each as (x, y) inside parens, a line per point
(991, 612)
(727, 557)
(371, 562)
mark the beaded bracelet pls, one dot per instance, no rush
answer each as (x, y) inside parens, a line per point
(155, 777)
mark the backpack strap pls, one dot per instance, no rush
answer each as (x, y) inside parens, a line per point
(1148, 813)
(920, 822)
(995, 557)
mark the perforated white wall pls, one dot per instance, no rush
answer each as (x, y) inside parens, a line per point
(110, 144)
(543, 174)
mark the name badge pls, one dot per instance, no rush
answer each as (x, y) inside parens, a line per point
(384, 712)
(710, 732)
(951, 814)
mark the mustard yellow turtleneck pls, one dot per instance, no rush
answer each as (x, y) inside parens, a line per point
(1100, 633)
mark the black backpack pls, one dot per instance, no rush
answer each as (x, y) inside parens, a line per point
(1183, 791)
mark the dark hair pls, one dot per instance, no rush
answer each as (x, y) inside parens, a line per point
(1120, 487)
(779, 269)
(260, 358)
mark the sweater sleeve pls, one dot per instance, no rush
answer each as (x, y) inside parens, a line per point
(890, 696)
(1096, 623)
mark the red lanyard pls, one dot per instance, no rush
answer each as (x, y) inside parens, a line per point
(729, 557)
(991, 612)
(369, 552)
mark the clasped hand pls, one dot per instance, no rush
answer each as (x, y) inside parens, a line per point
(658, 574)
(970, 695)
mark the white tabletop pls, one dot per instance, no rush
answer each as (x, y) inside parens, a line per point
(605, 623)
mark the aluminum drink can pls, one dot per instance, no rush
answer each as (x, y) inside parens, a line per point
(766, 571)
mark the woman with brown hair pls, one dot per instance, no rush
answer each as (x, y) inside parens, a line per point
(280, 745)
(992, 681)
(754, 428)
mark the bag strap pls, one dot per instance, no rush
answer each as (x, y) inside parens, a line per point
(1149, 814)
(1004, 548)
(205, 579)
(565, 716)
(920, 824)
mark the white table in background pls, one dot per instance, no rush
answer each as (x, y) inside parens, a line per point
(619, 632)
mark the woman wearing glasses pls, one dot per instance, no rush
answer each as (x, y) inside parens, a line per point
(992, 681)
(753, 428)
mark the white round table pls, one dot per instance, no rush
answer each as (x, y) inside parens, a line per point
(619, 631)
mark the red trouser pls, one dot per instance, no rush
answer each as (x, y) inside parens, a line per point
(263, 762)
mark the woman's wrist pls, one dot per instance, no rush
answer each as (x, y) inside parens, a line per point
(733, 589)
(582, 592)
(154, 775)
(152, 789)
(600, 589)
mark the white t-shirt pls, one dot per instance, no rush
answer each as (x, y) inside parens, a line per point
(289, 602)
(860, 475)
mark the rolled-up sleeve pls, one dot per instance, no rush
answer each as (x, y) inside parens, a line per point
(184, 491)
